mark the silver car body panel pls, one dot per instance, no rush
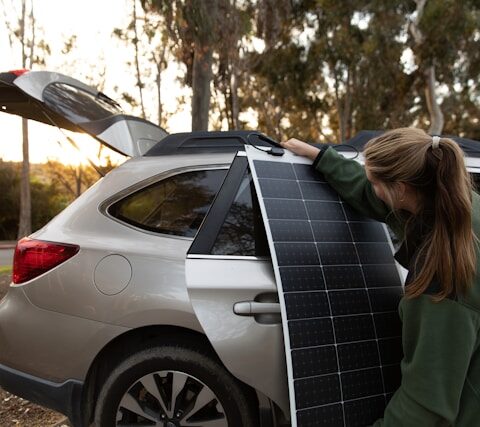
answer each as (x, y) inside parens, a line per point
(132, 137)
(252, 351)
(51, 345)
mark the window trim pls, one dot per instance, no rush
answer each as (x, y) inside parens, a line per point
(229, 257)
(104, 207)
(214, 220)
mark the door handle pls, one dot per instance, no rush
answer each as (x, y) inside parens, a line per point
(252, 308)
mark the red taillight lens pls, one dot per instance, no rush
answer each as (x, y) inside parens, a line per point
(35, 257)
(19, 72)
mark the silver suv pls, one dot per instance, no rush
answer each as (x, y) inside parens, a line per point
(134, 306)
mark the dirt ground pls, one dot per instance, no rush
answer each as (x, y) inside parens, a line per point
(15, 411)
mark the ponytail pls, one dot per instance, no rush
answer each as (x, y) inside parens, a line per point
(448, 252)
(436, 169)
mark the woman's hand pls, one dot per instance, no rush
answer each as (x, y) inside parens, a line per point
(300, 148)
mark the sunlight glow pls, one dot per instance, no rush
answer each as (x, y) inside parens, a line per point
(96, 58)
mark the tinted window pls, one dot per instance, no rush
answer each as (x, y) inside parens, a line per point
(243, 232)
(77, 105)
(176, 205)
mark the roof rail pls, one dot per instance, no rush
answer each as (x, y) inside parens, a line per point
(207, 142)
(470, 147)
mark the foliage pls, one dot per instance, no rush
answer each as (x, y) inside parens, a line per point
(340, 67)
(53, 189)
(327, 69)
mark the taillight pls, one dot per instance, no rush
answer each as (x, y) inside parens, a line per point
(19, 72)
(35, 257)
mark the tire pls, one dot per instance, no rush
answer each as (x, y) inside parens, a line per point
(204, 392)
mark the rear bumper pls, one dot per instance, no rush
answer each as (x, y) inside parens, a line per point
(63, 397)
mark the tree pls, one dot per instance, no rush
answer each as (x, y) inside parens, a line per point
(33, 52)
(199, 32)
(231, 68)
(444, 38)
(193, 25)
(72, 179)
(335, 69)
(436, 115)
(147, 34)
(48, 199)
(131, 35)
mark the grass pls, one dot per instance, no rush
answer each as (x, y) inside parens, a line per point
(5, 269)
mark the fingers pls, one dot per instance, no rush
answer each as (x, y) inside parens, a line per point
(290, 143)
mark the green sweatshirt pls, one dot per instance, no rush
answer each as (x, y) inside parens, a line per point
(441, 341)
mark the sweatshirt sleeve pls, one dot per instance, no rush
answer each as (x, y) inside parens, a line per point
(438, 342)
(349, 179)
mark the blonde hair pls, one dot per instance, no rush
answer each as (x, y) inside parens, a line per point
(440, 178)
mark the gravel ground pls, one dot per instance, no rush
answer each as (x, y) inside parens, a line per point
(15, 411)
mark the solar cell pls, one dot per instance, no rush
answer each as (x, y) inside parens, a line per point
(339, 289)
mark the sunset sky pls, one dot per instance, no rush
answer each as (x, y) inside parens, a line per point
(92, 22)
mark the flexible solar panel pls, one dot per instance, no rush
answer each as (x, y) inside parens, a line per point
(339, 289)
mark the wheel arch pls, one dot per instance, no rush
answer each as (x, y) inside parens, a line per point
(136, 339)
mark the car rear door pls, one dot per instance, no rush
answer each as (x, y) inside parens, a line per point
(232, 287)
(62, 101)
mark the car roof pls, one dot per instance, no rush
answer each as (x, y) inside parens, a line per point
(232, 141)
(470, 147)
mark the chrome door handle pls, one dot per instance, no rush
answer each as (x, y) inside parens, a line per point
(252, 308)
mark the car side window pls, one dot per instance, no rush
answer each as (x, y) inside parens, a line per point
(243, 232)
(175, 205)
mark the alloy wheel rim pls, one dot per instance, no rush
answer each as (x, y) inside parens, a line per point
(170, 399)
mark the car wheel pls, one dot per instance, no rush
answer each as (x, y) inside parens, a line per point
(173, 387)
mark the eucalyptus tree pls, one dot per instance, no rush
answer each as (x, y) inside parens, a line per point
(335, 68)
(146, 33)
(22, 31)
(206, 33)
(445, 39)
(193, 26)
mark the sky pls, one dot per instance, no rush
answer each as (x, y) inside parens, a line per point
(92, 22)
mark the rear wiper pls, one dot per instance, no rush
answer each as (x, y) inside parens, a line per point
(110, 101)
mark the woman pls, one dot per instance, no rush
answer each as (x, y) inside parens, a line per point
(419, 186)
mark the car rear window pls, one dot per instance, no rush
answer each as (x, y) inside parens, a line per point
(78, 105)
(175, 205)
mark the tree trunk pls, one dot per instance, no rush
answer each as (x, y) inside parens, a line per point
(25, 222)
(201, 79)
(78, 181)
(434, 110)
(159, 94)
(436, 115)
(234, 105)
(160, 64)
(227, 111)
(341, 122)
(137, 64)
(347, 111)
